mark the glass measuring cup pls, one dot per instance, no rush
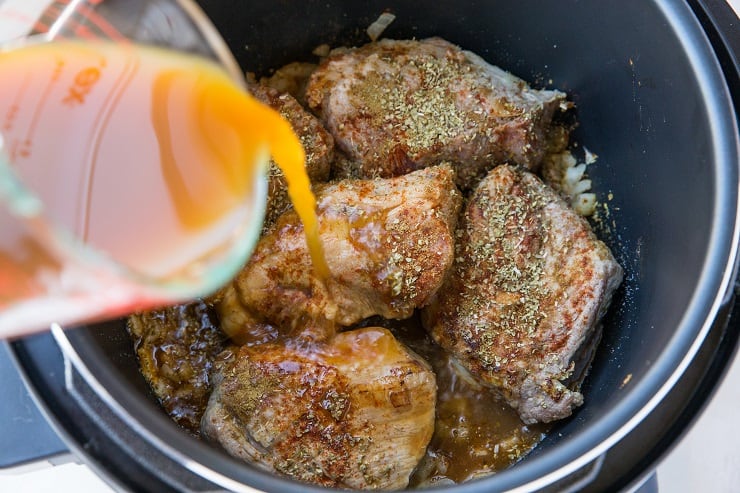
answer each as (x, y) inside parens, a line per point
(52, 267)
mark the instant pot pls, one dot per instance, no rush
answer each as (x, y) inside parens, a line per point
(657, 89)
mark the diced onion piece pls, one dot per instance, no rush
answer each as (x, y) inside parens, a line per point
(376, 28)
(322, 50)
(589, 156)
(585, 204)
(582, 186)
(574, 173)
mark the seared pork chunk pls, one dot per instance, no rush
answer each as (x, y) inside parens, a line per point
(291, 78)
(397, 106)
(317, 143)
(523, 301)
(177, 349)
(357, 412)
(475, 432)
(388, 244)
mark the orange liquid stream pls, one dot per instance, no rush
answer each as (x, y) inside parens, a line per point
(289, 155)
(150, 156)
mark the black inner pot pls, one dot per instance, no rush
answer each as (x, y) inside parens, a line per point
(652, 103)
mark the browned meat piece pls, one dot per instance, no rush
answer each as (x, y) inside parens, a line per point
(317, 142)
(177, 348)
(475, 432)
(529, 284)
(397, 106)
(355, 413)
(388, 244)
(291, 78)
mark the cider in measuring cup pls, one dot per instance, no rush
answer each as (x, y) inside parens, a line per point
(130, 176)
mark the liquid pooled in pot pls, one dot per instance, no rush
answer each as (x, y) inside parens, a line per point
(475, 432)
(434, 209)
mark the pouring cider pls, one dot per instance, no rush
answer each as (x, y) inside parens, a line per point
(130, 176)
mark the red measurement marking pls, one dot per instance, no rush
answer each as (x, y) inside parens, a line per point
(100, 22)
(83, 12)
(58, 69)
(25, 149)
(84, 82)
(62, 3)
(12, 114)
(74, 25)
(51, 12)
(42, 101)
(40, 27)
(10, 118)
(84, 32)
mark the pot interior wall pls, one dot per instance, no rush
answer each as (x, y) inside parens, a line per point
(636, 108)
(640, 110)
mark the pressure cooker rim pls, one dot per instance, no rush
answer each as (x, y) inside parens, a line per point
(712, 293)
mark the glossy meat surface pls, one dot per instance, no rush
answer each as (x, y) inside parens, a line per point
(317, 143)
(177, 349)
(388, 244)
(397, 106)
(529, 284)
(357, 412)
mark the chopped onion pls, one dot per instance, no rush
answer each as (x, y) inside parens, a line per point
(566, 175)
(322, 50)
(376, 28)
(573, 174)
(590, 156)
(581, 187)
(585, 204)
